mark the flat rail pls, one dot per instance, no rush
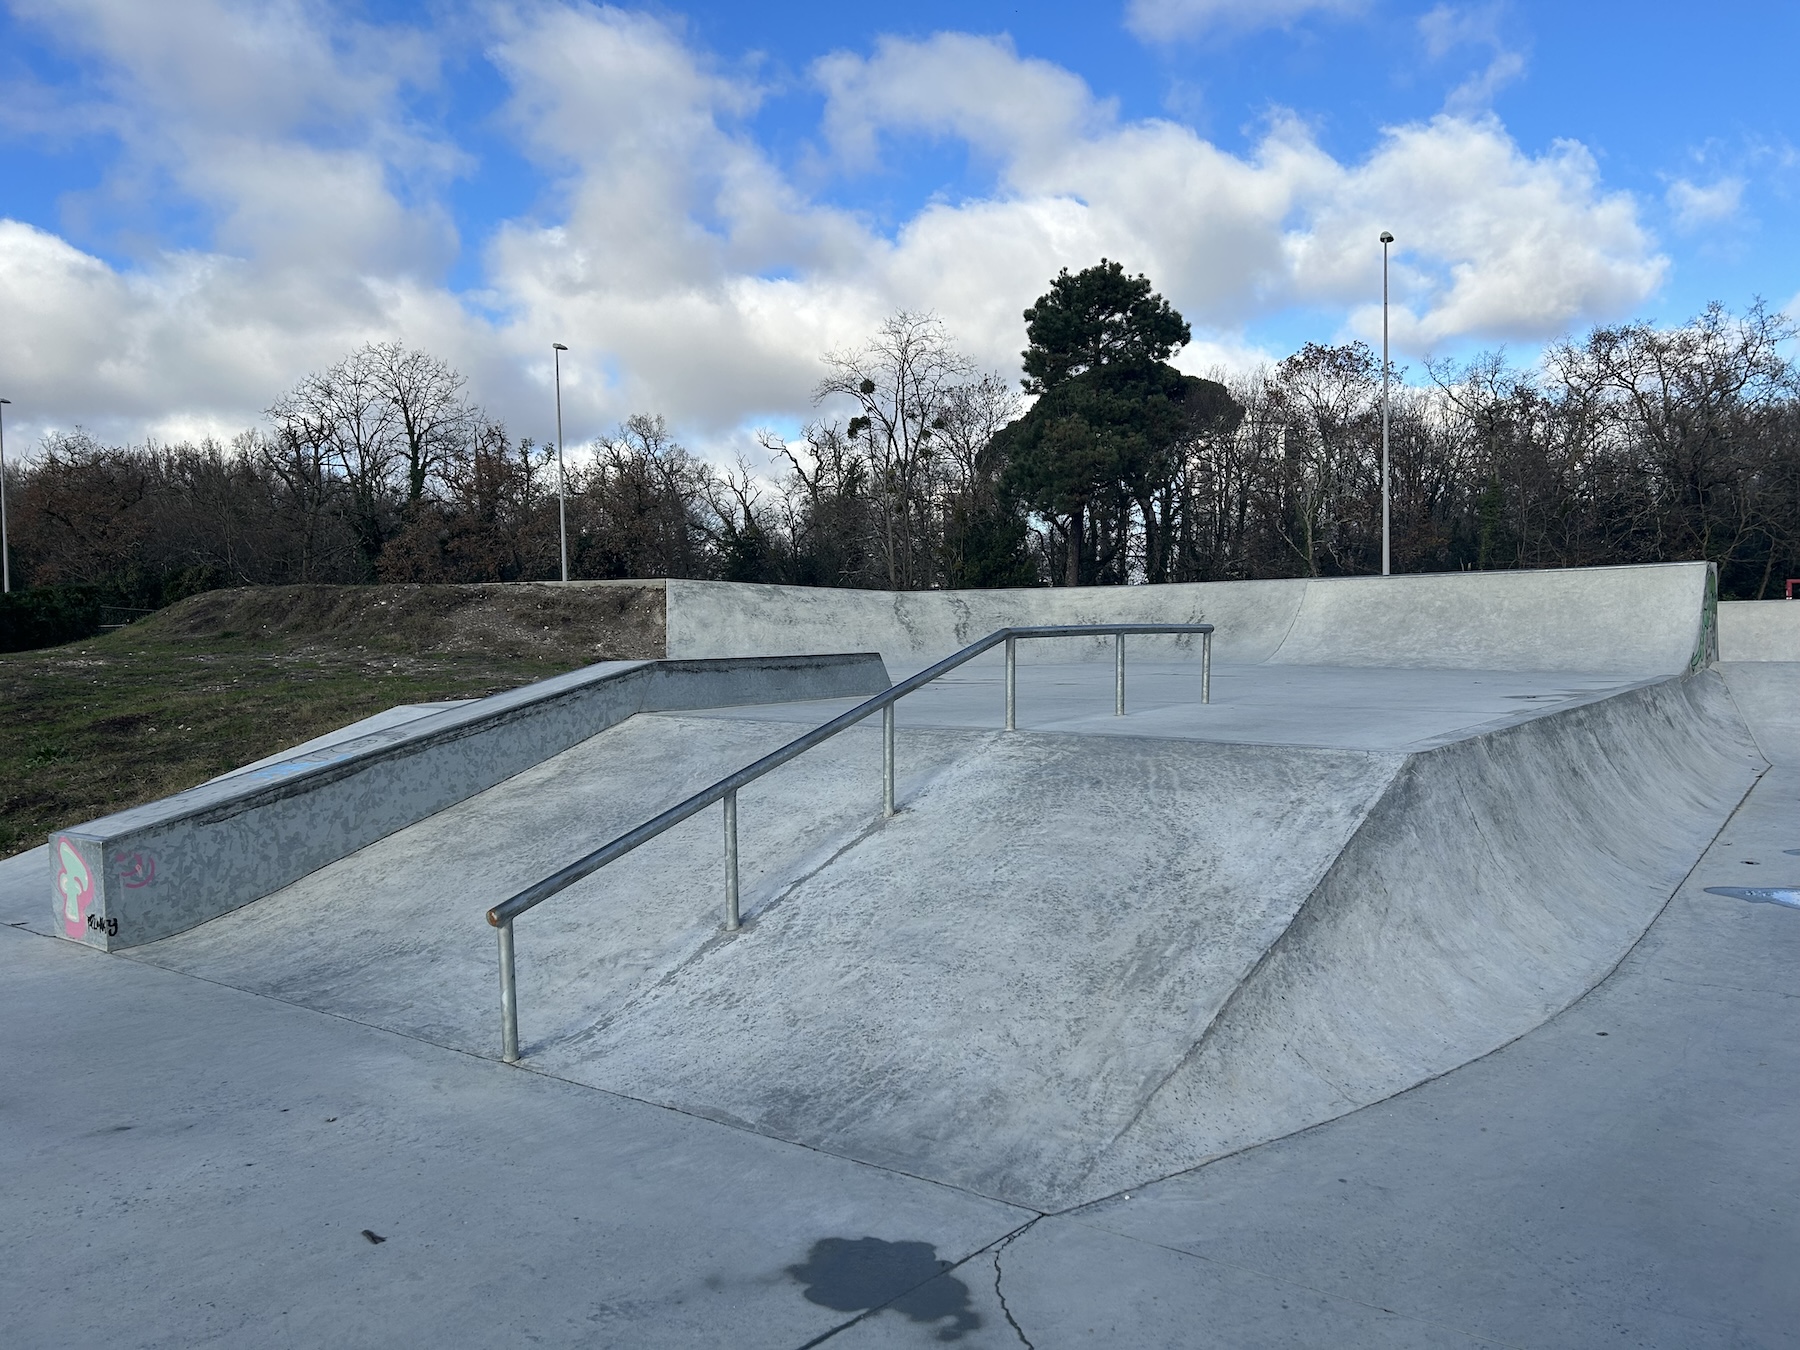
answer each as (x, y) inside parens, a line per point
(725, 791)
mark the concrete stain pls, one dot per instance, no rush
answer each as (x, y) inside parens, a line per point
(1788, 896)
(860, 1274)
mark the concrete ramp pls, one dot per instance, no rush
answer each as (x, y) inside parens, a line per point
(984, 988)
(1074, 963)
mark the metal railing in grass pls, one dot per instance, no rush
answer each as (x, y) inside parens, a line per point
(501, 916)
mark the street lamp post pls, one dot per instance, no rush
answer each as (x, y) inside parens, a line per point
(1386, 557)
(562, 477)
(5, 544)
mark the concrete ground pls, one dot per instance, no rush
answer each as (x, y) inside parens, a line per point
(192, 1164)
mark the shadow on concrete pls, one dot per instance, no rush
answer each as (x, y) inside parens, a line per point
(858, 1274)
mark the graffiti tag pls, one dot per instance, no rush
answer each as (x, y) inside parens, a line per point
(137, 871)
(75, 884)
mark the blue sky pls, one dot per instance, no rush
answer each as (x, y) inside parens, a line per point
(203, 199)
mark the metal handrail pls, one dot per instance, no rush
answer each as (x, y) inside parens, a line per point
(501, 916)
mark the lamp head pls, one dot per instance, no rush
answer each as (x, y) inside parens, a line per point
(558, 347)
(1386, 238)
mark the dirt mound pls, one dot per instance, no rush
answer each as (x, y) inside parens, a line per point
(577, 624)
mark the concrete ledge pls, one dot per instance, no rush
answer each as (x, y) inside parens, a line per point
(1759, 630)
(1645, 621)
(158, 869)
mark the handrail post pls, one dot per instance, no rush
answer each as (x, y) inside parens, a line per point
(1206, 667)
(1118, 674)
(1012, 682)
(887, 760)
(731, 868)
(509, 998)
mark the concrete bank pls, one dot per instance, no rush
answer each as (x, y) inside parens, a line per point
(154, 870)
(1645, 621)
(1759, 630)
(1498, 880)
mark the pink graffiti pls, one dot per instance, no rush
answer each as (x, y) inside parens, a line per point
(137, 871)
(75, 884)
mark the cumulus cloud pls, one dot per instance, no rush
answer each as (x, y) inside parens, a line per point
(295, 142)
(1172, 20)
(1497, 242)
(294, 149)
(690, 274)
(1695, 206)
(977, 89)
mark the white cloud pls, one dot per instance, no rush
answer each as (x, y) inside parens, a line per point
(1695, 207)
(689, 273)
(1172, 20)
(295, 150)
(1476, 93)
(1497, 242)
(1447, 29)
(1491, 243)
(294, 141)
(192, 344)
(977, 89)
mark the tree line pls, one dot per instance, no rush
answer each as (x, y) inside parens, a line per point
(1104, 466)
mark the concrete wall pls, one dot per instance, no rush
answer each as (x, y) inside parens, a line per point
(1759, 630)
(1645, 621)
(158, 869)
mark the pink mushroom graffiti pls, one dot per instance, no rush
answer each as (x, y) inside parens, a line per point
(75, 884)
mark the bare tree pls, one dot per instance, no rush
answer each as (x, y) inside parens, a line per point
(1326, 400)
(430, 418)
(900, 380)
(296, 457)
(747, 548)
(346, 413)
(1688, 402)
(827, 508)
(983, 534)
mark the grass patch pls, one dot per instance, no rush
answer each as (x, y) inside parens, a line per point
(204, 687)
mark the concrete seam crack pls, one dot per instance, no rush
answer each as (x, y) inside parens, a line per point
(1000, 1294)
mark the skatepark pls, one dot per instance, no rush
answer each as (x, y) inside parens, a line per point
(1351, 977)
